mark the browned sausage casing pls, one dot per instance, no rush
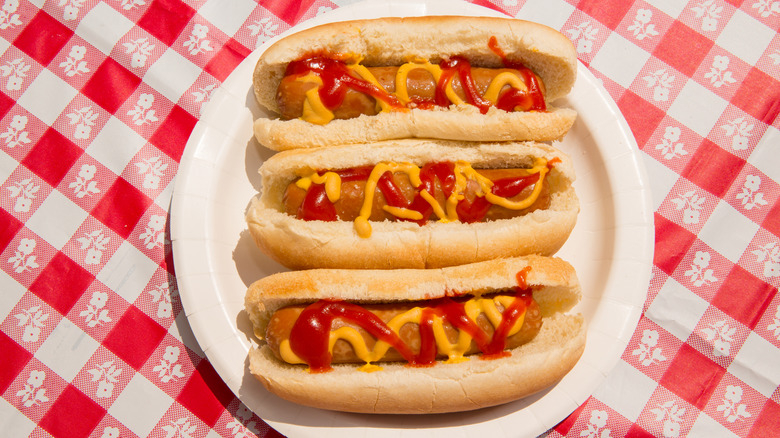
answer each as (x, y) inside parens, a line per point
(420, 84)
(352, 195)
(282, 322)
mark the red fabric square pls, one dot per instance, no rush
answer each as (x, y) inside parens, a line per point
(205, 394)
(165, 19)
(134, 337)
(15, 357)
(224, 62)
(692, 376)
(759, 96)
(767, 424)
(43, 38)
(121, 207)
(52, 157)
(642, 116)
(172, 135)
(6, 103)
(9, 226)
(683, 48)
(111, 85)
(61, 283)
(72, 415)
(713, 169)
(671, 244)
(287, 10)
(637, 432)
(608, 12)
(743, 296)
(772, 221)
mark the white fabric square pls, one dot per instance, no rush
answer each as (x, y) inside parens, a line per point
(728, 231)
(4, 45)
(69, 218)
(103, 27)
(745, 37)
(661, 179)
(67, 349)
(672, 8)
(706, 427)
(627, 403)
(14, 422)
(12, 292)
(765, 157)
(697, 108)
(756, 364)
(127, 272)
(58, 95)
(227, 16)
(7, 165)
(553, 13)
(115, 145)
(141, 405)
(677, 309)
(172, 75)
(620, 60)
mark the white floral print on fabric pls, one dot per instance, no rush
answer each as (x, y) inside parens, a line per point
(739, 130)
(152, 169)
(24, 259)
(719, 74)
(700, 273)
(24, 191)
(583, 36)
(154, 233)
(142, 112)
(16, 135)
(769, 255)
(642, 27)
(15, 71)
(74, 64)
(8, 17)
(264, 29)
(96, 314)
(168, 369)
(691, 205)
(241, 426)
(671, 415)
(84, 119)
(661, 83)
(164, 296)
(721, 335)
(140, 49)
(84, 185)
(33, 320)
(647, 351)
(709, 11)
(106, 375)
(766, 8)
(180, 428)
(750, 196)
(731, 407)
(33, 392)
(669, 146)
(198, 43)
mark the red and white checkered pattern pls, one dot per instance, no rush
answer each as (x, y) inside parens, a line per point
(97, 100)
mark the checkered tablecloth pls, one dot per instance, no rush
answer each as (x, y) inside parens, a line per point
(98, 98)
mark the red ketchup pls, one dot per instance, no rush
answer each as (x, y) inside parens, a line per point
(309, 338)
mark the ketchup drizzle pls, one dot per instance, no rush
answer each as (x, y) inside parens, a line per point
(309, 337)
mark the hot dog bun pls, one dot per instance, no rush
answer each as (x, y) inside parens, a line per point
(300, 244)
(393, 41)
(444, 387)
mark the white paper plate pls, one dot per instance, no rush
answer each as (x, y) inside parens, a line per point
(215, 259)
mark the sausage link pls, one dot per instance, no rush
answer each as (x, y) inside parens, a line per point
(420, 84)
(352, 196)
(282, 322)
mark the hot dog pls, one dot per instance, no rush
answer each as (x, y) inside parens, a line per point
(463, 78)
(413, 203)
(416, 341)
